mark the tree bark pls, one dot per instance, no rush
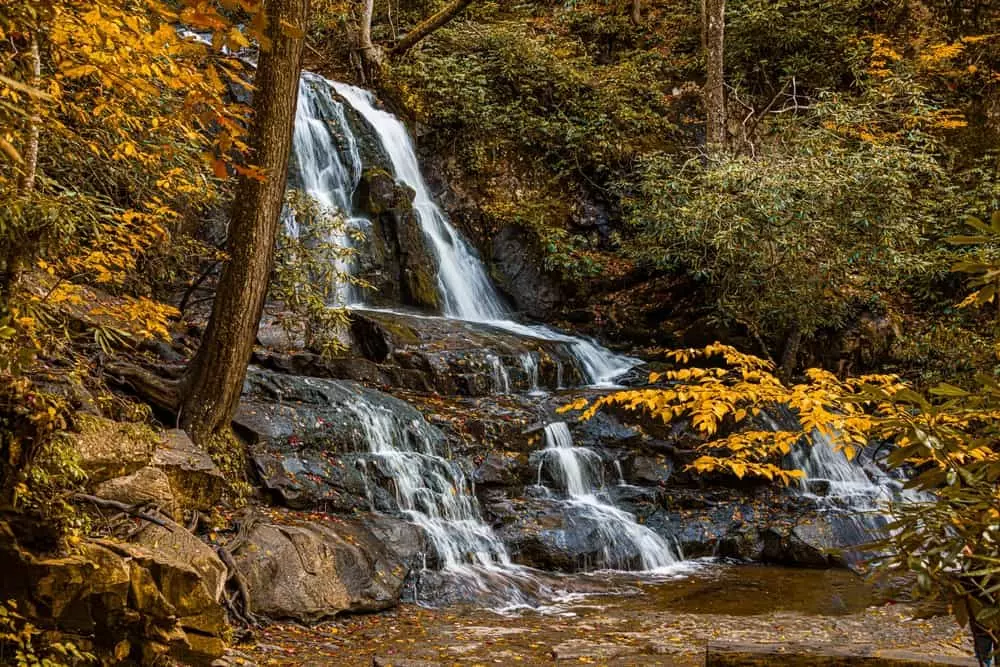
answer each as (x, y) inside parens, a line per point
(790, 356)
(214, 382)
(27, 184)
(369, 55)
(429, 25)
(637, 11)
(13, 255)
(715, 90)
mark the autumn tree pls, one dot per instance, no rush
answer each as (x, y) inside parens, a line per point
(110, 120)
(215, 378)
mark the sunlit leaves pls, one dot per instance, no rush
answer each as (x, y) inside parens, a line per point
(725, 396)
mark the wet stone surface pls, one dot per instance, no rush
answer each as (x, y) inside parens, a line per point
(665, 622)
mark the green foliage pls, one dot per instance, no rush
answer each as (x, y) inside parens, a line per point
(20, 646)
(310, 270)
(769, 42)
(950, 540)
(797, 237)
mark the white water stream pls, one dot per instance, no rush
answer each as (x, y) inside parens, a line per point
(579, 474)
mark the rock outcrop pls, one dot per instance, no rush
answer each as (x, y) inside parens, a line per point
(152, 602)
(312, 570)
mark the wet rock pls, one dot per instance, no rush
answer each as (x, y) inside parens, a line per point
(518, 268)
(403, 539)
(109, 449)
(548, 534)
(503, 469)
(649, 470)
(196, 481)
(396, 259)
(463, 358)
(309, 440)
(819, 487)
(147, 485)
(342, 368)
(310, 571)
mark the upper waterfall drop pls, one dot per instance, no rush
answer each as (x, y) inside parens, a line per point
(466, 290)
(328, 171)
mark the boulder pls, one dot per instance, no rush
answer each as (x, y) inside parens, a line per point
(149, 485)
(649, 470)
(184, 548)
(313, 441)
(503, 469)
(309, 571)
(396, 259)
(196, 481)
(127, 603)
(109, 449)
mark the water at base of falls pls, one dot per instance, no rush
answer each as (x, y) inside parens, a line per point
(578, 472)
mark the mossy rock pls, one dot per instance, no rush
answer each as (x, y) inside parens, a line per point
(108, 449)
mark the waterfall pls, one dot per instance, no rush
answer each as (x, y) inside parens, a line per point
(328, 166)
(529, 364)
(466, 290)
(431, 491)
(501, 378)
(435, 494)
(579, 473)
(853, 496)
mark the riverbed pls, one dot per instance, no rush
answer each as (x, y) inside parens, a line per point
(663, 620)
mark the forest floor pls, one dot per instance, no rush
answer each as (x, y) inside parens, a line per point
(666, 621)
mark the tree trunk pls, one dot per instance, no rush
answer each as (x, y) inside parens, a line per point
(637, 11)
(790, 356)
(369, 55)
(715, 91)
(27, 184)
(431, 24)
(13, 255)
(215, 379)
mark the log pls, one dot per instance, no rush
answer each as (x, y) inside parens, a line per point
(790, 654)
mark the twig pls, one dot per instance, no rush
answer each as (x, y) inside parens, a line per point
(122, 507)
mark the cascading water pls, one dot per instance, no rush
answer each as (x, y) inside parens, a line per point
(435, 494)
(853, 496)
(529, 364)
(465, 288)
(328, 166)
(430, 490)
(578, 472)
(501, 378)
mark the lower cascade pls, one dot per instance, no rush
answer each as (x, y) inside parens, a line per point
(435, 494)
(578, 472)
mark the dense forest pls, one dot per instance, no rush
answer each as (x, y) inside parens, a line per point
(361, 331)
